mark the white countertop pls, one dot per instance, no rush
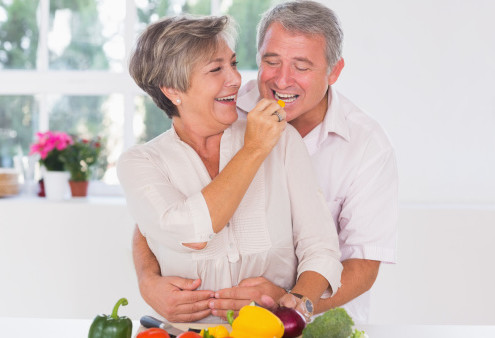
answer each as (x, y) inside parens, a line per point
(78, 328)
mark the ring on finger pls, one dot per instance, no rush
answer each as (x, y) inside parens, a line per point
(278, 115)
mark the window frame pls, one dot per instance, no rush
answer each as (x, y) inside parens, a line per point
(42, 81)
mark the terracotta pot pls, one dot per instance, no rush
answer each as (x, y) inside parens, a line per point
(79, 188)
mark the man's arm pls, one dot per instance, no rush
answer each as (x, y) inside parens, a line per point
(358, 277)
(174, 298)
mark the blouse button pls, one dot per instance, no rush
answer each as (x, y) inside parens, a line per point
(233, 256)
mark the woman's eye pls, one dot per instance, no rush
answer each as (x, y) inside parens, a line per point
(215, 69)
(235, 63)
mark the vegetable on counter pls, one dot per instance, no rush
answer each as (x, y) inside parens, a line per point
(154, 332)
(294, 322)
(255, 321)
(218, 331)
(335, 323)
(112, 326)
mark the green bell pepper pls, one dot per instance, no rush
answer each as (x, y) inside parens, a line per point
(112, 326)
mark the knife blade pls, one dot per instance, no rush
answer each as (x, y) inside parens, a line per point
(149, 321)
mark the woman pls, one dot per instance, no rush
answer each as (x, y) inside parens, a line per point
(216, 198)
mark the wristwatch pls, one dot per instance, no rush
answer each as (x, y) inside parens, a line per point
(306, 305)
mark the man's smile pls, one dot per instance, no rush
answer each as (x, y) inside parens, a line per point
(287, 98)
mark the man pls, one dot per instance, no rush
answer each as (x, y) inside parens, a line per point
(299, 55)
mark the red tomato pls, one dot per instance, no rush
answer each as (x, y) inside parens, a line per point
(189, 334)
(153, 333)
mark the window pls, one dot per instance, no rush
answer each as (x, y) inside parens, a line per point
(63, 66)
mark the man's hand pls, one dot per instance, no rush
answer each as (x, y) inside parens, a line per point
(257, 289)
(176, 298)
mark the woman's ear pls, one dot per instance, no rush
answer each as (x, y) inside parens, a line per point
(335, 73)
(171, 94)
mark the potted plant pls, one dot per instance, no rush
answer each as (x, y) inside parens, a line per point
(78, 159)
(50, 146)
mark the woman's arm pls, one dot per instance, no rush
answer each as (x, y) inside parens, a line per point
(171, 217)
(224, 194)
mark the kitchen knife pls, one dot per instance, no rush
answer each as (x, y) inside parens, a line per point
(148, 322)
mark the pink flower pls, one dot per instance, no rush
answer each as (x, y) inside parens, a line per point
(48, 141)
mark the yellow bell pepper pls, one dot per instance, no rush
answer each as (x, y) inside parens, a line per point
(255, 321)
(216, 331)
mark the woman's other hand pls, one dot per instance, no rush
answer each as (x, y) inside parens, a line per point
(265, 124)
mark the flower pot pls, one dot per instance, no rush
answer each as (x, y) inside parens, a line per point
(56, 185)
(79, 188)
(41, 192)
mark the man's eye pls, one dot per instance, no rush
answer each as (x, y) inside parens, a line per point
(271, 63)
(302, 69)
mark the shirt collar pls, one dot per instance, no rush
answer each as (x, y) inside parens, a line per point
(248, 96)
(334, 120)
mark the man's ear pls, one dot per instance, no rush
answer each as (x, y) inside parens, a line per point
(335, 73)
(171, 94)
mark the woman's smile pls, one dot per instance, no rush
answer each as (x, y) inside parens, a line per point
(230, 99)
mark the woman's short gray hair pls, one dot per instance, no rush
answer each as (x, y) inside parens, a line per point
(308, 17)
(167, 51)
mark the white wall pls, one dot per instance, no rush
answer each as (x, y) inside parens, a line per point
(445, 271)
(66, 259)
(426, 70)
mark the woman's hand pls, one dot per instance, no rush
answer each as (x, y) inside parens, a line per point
(263, 126)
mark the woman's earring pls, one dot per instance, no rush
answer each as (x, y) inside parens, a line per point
(178, 101)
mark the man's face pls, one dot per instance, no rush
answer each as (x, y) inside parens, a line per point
(294, 69)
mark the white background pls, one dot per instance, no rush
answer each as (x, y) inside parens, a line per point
(426, 71)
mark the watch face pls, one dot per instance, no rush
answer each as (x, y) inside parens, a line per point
(309, 306)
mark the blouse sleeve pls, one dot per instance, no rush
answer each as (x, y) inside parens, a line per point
(159, 208)
(315, 236)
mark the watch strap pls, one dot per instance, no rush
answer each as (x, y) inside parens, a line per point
(298, 295)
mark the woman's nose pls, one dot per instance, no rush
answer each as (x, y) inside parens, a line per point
(234, 79)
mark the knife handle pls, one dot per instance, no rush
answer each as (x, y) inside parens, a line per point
(148, 322)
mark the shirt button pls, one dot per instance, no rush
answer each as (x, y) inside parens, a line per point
(233, 257)
(211, 236)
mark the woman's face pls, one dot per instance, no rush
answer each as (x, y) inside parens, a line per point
(209, 105)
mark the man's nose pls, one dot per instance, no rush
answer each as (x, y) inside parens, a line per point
(283, 78)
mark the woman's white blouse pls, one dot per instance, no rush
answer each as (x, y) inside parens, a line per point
(281, 228)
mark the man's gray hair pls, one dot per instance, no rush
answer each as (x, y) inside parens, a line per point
(167, 51)
(308, 17)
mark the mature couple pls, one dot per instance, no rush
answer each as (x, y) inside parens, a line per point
(232, 205)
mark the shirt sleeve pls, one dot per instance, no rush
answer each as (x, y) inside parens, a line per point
(369, 213)
(158, 207)
(315, 236)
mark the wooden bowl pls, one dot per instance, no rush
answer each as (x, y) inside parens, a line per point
(9, 182)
